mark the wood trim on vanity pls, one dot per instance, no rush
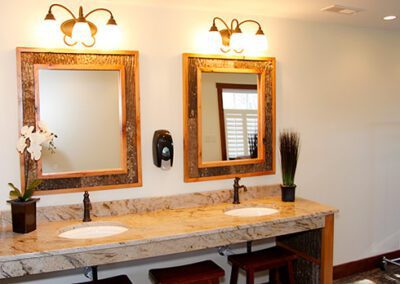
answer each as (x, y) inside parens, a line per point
(362, 265)
(300, 253)
(327, 250)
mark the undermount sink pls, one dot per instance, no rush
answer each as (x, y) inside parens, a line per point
(251, 211)
(92, 230)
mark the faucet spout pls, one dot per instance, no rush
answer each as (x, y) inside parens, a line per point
(236, 188)
(87, 206)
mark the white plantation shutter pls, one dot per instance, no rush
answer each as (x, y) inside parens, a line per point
(239, 125)
(240, 107)
(251, 123)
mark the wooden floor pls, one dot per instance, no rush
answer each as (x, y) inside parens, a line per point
(374, 276)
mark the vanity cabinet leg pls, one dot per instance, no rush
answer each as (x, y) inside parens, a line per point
(327, 250)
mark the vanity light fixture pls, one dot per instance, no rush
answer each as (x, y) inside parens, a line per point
(232, 38)
(79, 29)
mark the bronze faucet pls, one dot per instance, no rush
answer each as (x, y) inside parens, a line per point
(87, 206)
(236, 188)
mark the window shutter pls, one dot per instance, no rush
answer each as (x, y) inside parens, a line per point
(239, 125)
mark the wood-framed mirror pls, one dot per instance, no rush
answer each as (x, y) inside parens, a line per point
(229, 116)
(90, 99)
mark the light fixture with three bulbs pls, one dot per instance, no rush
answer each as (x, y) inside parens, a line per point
(79, 29)
(232, 37)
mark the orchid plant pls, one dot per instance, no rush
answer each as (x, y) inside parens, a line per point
(30, 143)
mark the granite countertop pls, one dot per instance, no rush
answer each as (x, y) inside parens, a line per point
(154, 233)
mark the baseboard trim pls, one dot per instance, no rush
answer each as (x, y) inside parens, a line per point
(362, 265)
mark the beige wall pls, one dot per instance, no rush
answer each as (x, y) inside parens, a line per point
(211, 135)
(337, 85)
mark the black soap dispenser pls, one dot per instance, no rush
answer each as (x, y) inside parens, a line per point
(163, 149)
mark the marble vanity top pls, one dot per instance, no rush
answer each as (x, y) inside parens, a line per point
(153, 233)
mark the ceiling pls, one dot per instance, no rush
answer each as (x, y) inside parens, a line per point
(309, 10)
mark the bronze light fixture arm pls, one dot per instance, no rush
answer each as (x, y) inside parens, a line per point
(61, 6)
(237, 24)
(101, 9)
(222, 21)
(259, 31)
(250, 21)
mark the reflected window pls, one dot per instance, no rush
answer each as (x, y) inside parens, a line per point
(238, 107)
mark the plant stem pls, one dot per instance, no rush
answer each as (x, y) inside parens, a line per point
(27, 161)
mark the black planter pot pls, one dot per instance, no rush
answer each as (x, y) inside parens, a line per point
(288, 193)
(23, 215)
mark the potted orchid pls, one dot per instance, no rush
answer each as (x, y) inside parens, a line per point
(23, 206)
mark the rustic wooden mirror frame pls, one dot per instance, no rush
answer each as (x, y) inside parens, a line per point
(194, 168)
(29, 60)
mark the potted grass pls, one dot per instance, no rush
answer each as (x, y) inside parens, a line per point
(289, 149)
(23, 206)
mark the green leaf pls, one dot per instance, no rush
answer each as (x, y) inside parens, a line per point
(27, 194)
(10, 184)
(15, 192)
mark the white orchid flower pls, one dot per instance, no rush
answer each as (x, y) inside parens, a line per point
(35, 140)
(43, 126)
(46, 132)
(26, 131)
(35, 147)
(21, 145)
(36, 151)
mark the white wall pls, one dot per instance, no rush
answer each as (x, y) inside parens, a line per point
(337, 85)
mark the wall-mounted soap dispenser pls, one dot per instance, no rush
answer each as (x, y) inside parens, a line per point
(163, 149)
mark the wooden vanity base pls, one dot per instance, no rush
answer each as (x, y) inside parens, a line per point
(315, 251)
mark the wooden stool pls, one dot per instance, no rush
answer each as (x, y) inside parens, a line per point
(205, 272)
(120, 279)
(271, 259)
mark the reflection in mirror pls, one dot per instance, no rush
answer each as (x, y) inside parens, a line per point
(229, 103)
(85, 114)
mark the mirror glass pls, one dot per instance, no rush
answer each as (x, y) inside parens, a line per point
(82, 107)
(229, 116)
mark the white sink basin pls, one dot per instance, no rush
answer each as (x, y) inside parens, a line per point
(251, 212)
(92, 230)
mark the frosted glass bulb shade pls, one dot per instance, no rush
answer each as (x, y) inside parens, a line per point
(237, 41)
(113, 33)
(109, 36)
(49, 33)
(214, 40)
(81, 32)
(260, 42)
(50, 26)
